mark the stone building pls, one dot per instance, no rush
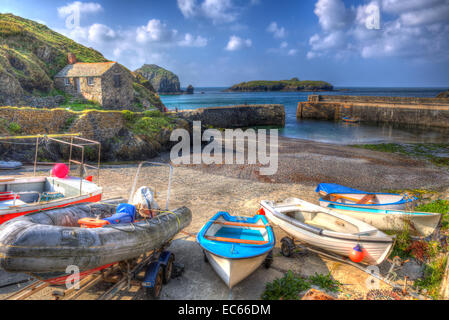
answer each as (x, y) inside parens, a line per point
(107, 83)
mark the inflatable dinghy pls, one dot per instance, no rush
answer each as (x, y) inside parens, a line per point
(44, 244)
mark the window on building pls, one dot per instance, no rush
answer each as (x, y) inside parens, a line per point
(117, 81)
(67, 81)
(90, 81)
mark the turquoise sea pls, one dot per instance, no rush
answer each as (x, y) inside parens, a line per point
(323, 131)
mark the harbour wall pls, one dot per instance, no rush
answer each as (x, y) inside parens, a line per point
(427, 112)
(239, 116)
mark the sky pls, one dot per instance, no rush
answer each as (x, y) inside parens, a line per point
(217, 43)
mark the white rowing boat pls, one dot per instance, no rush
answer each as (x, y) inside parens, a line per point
(328, 230)
(419, 223)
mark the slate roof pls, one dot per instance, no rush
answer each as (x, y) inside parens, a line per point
(83, 69)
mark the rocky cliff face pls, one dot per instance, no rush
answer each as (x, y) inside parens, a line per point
(162, 80)
(444, 94)
(31, 54)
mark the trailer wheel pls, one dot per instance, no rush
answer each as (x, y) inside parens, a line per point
(154, 292)
(168, 269)
(268, 260)
(287, 247)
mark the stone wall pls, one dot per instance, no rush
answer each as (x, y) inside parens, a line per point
(121, 97)
(427, 112)
(242, 116)
(110, 128)
(380, 99)
(90, 92)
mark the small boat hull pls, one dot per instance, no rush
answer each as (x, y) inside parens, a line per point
(419, 223)
(377, 245)
(233, 271)
(334, 194)
(236, 246)
(90, 192)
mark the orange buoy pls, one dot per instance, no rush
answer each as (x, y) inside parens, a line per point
(357, 254)
(261, 212)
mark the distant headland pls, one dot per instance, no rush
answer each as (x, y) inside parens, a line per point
(293, 84)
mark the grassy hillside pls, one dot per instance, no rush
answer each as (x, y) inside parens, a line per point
(31, 54)
(283, 85)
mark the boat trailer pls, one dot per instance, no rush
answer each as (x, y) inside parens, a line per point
(290, 245)
(149, 272)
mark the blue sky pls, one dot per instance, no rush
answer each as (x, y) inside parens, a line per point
(221, 42)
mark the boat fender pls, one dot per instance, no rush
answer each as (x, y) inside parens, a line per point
(126, 213)
(357, 254)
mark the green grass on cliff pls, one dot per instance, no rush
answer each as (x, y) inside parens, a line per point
(33, 53)
(148, 123)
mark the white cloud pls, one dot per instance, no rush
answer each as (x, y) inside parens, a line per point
(101, 33)
(155, 31)
(278, 32)
(218, 11)
(81, 7)
(283, 45)
(236, 43)
(191, 41)
(292, 52)
(150, 43)
(187, 7)
(412, 29)
(332, 14)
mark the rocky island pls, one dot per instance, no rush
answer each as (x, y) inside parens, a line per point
(163, 80)
(293, 84)
(444, 94)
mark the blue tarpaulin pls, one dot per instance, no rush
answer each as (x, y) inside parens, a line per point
(126, 213)
(329, 188)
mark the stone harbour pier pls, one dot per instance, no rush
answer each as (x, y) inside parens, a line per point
(427, 112)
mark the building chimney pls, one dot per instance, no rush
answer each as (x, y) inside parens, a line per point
(71, 58)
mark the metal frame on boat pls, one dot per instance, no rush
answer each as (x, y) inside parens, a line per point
(86, 192)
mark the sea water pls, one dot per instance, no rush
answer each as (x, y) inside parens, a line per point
(315, 130)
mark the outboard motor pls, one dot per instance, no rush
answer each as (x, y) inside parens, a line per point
(145, 201)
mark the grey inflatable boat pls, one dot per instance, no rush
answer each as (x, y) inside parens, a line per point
(44, 244)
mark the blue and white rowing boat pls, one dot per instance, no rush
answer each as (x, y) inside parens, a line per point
(236, 246)
(334, 194)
